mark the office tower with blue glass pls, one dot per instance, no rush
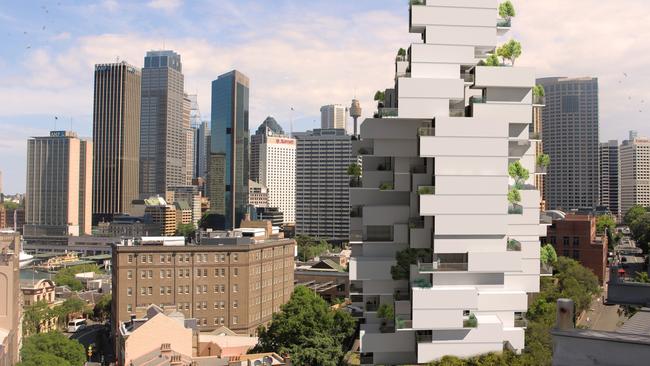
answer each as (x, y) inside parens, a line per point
(228, 165)
(162, 130)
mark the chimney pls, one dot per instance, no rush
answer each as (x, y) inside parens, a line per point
(565, 314)
(165, 349)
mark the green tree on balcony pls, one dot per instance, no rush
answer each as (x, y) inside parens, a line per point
(379, 96)
(518, 173)
(507, 10)
(514, 196)
(511, 50)
(538, 90)
(543, 160)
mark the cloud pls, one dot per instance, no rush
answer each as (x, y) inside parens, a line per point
(166, 5)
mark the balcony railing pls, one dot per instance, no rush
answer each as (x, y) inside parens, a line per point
(421, 283)
(401, 323)
(402, 294)
(426, 131)
(515, 209)
(470, 321)
(356, 288)
(468, 77)
(514, 245)
(535, 135)
(539, 100)
(426, 190)
(367, 359)
(419, 169)
(545, 269)
(539, 169)
(439, 266)
(545, 219)
(387, 112)
(371, 306)
(417, 2)
(520, 321)
(365, 151)
(504, 23)
(423, 338)
(356, 235)
(355, 182)
(477, 99)
(356, 212)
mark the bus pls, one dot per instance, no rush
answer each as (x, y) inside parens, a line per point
(76, 324)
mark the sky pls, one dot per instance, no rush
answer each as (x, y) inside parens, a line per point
(298, 54)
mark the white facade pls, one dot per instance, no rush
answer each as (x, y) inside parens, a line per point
(435, 184)
(278, 174)
(333, 116)
(635, 173)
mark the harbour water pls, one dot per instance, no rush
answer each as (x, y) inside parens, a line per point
(27, 274)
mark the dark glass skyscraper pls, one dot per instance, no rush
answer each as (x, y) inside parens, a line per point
(570, 138)
(228, 166)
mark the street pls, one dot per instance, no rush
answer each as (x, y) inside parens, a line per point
(600, 316)
(97, 335)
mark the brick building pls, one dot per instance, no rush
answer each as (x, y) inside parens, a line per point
(232, 281)
(575, 237)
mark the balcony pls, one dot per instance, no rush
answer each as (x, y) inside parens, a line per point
(356, 287)
(416, 223)
(504, 23)
(468, 77)
(545, 219)
(445, 263)
(545, 269)
(366, 359)
(426, 131)
(387, 112)
(355, 182)
(539, 100)
(470, 321)
(535, 136)
(402, 294)
(401, 323)
(513, 245)
(515, 209)
(421, 282)
(539, 169)
(365, 151)
(426, 190)
(356, 211)
(521, 321)
(372, 306)
(419, 169)
(476, 99)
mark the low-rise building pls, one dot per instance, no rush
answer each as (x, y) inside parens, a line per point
(40, 291)
(10, 312)
(575, 237)
(233, 279)
(328, 278)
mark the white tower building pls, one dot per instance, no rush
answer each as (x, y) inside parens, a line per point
(277, 164)
(433, 233)
(333, 116)
(635, 170)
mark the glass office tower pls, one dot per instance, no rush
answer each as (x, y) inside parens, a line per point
(229, 148)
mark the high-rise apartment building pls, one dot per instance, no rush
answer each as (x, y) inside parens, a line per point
(635, 173)
(116, 139)
(270, 127)
(237, 282)
(333, 116)
(278, 174)
(322, 184)
(229, 148)
(201, 141)
(610, 193)
(434, 234)
(58, 198)
(570, 130)
(10, 306)
(162, 125)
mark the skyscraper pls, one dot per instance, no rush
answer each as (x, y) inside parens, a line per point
(277, 172)
(116, 139)
(333, 116)
(322, 184)
(439, 230)
(229, 148)
(610, 193)
(201, 137)
(570, 131)
(270, 127)
(59, 185)
(635, 170)
(162, 128)
(189, 139)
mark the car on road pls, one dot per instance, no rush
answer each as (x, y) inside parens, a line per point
(75, 325)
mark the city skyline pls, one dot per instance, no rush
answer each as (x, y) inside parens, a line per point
(49, 60)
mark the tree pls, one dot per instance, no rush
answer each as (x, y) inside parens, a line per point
(405, 258)
(491, 60)
(605, 223)
(538, 90)
(401, 52)
(634, 213)
(52, 349)
(65, 277)
(642, 277)
(308, 330)
(511, 50)
(309, 248)
(102, 308)
(548, 254)
(386, 312)
(514, 196)
(9, 205)
(186, 230)
(379, 96)
(506, 10)
(640, 228)
(34, 315)
(354, 170)
(543, 160)
(518, 173)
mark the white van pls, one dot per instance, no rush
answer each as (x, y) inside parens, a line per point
(76, 324)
